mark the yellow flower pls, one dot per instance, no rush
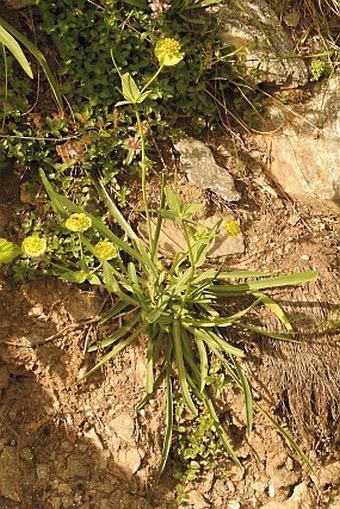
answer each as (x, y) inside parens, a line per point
(168, 52)
(34, 246)
(78, 222)
(232, 228)
(105, 250)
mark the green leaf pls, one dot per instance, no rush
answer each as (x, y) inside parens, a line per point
(130, 89)
(275, 308)
(39, 57)
(115, 350)
(169, 418)
(119, 334)
(8, 251)
(182, 375)
(247, 396)
(14, 48)
(284, 433)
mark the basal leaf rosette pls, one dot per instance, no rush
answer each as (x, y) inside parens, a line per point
(105, 251)
(34, 246)
(78, 223)
(168, 52)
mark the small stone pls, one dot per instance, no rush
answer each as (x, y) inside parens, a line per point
(234, 504)
(26, 454)
(271, 491)
(82, 305)
(64, 489)
(124, 427)
(130, 460)
(202, 170)
(305, 258)
(76, 468)
(43, 471)
(284, 479)
(56, 502)
(10, 477)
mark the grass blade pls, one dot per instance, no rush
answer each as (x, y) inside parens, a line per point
(204, 363)
(118, 348)
(121, 332)
(7, 40)
(284, 433)
(181, 367)
(275, 309)
(271, 282)
(169, 421)
(248, 397)
(40, 58)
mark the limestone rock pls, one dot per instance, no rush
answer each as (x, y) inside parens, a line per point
(123, 425)
(254, 28)
(129, 459)
(202, 170)
(305, 153)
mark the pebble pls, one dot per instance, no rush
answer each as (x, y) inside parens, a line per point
(43, 471)
(26, 454)
(234, 504)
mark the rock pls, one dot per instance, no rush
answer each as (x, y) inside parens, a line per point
(82, 305)
(76, 468)
(300, 499)
(172, 241)
(129, 460)
(199, 164)
(10, 477)
(254, 29)
(330, 474)
(304, 153)
(43, 471)
(26, 454)
(234, 504)
(197, 501)
(284, 479)
(124, 427)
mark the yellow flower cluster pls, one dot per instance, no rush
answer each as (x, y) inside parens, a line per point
(105, 250)
(34, 246)
(168, 52)
(78, 223)
(232, 228)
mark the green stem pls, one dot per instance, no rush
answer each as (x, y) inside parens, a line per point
(144, 171)
(153, 78)
(192, 262)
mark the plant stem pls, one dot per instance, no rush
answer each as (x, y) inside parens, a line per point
(153, 78)
(144, 171)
